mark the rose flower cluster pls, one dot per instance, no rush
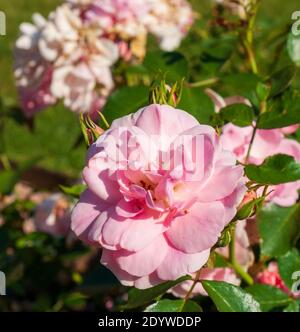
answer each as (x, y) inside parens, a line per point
(69, 56)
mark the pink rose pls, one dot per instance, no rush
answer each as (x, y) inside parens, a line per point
(53, 216)
(217, 274)
(169, 21)
(82, 76)
(271, 277)
(154, 202)
(244, 257)
(290, 129)
(266, 143)
(32, 72)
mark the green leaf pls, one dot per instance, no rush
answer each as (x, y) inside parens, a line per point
(172, 64)
(276, 169)
(269, 297)
(278, 228)
(281, 112)
(249, 209)
(140, 297)
(8, 179)
(293, 307)
(281, 80)
(74, 191)
(293, 47)
(230, 298)
(167, 305)
(125, 101)
(54, 138)
(239, 114)
(197, 103)
(262, 91)
(242, 84)
(33, 240)
(289, 268)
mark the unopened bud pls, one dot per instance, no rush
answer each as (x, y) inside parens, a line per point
(91, 131)
(162, 93)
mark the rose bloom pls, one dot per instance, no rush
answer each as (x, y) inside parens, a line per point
(267, 142)
(271, 277)
(82, 75)
(121, 21)
(53, 216)
(169, 21)
(63, 58)
(157, 218)
(244, 257)
(32, 72)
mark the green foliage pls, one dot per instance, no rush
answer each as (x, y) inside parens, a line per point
(239, 114)
(281, 112)
(174, 306)
(278, 228)
(53, 139)
(277, 169)
(269, 297)
(289, 267)
(281, 80)
(230, 298)
(139, 297)
(173, 65)
(124, 101)
(197, 103)
(73, 191)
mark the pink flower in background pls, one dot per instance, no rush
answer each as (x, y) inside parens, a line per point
(290, 129)
(266, 143)
(53, 216)
(221, 102)
(70, 55)
(120, 21)
(271, 277)
(156, 218)
(32, 72)
(81, 75)
(244, 257)
(169, 21)
(218, 274)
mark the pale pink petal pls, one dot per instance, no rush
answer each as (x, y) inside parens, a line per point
(199, 229)
(145, 261)
(177, 263)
